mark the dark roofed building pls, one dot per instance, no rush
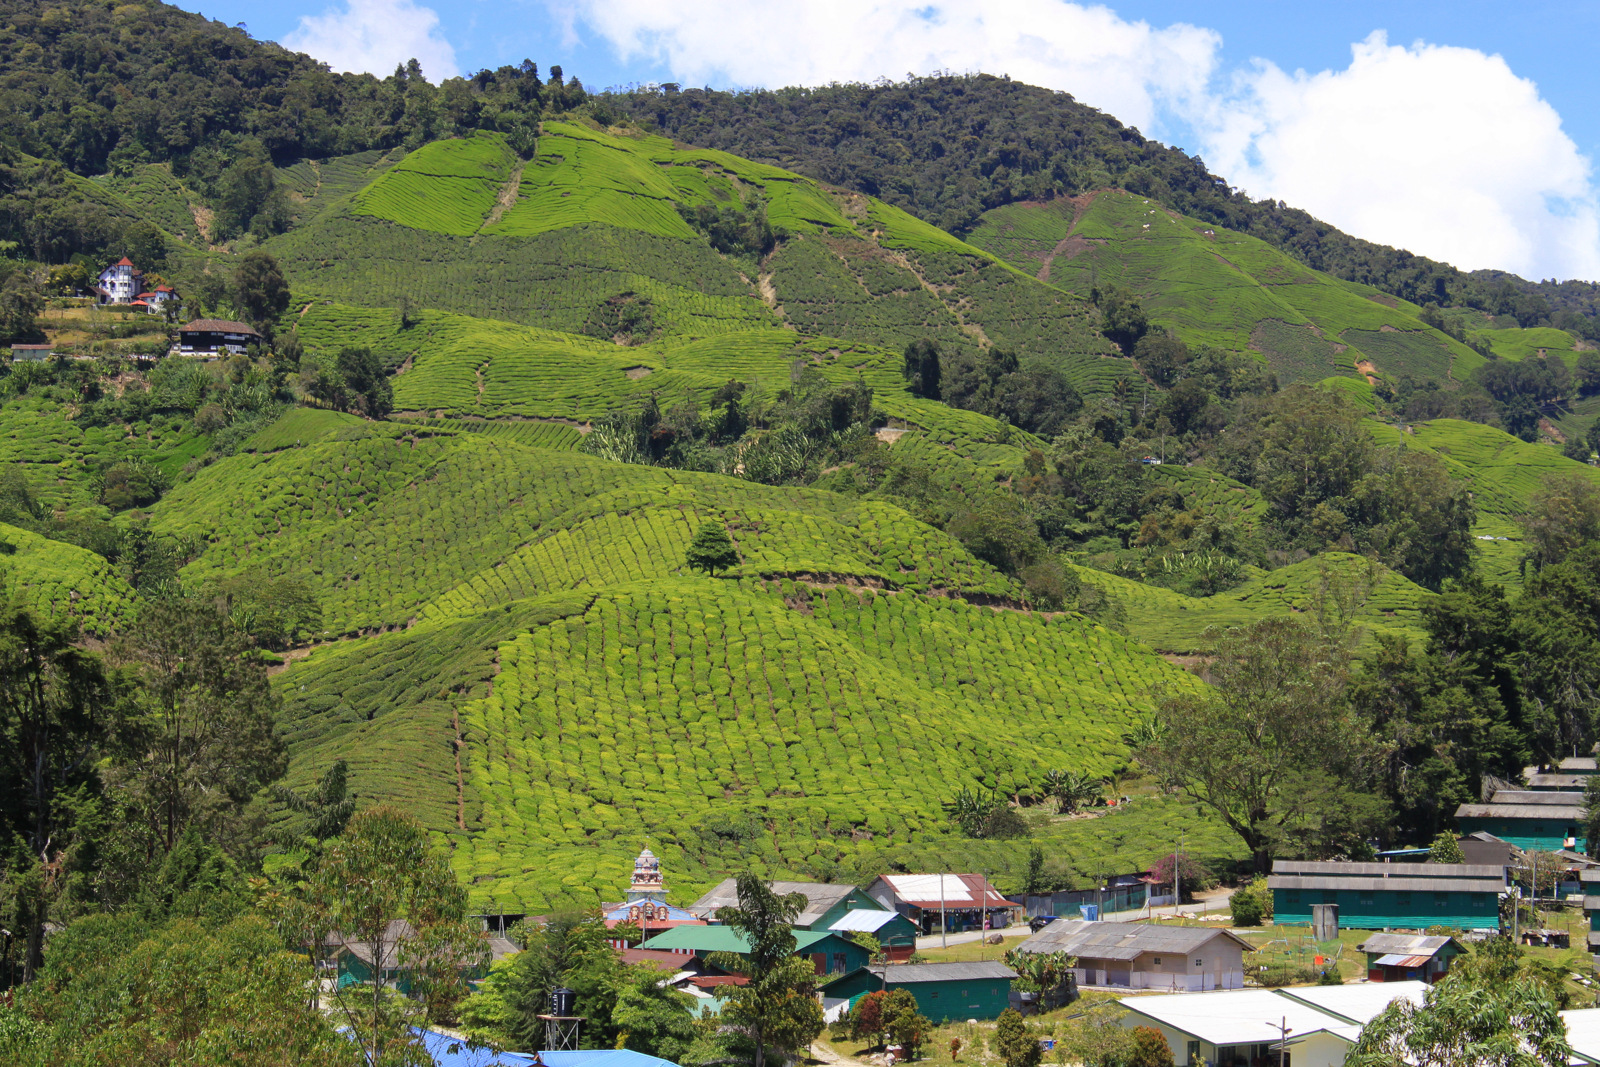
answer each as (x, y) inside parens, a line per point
(1146, 956)
(1528, 818)
(213, 337)
(1381, 896)
(944, 991)
(1483, 849)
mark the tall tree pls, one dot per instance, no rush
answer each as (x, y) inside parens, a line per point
(776, 1006)
(1271, 745)
(326, 808)
(1564, 513)
(259, 290)
(203, 741)
(56, 709)
(383, 884)
(921, 368)
(712, 550)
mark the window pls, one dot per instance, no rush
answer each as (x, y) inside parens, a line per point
(1294, 896)
(933, 994)
(1158, 961)
(1194, 1051)
(1198, 961)
(1403, 900)
(1441, 900)
(1366, 898)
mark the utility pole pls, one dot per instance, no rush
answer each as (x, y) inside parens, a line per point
(1284, 1030)
(944, 938)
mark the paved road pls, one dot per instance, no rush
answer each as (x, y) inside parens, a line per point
(934, 941)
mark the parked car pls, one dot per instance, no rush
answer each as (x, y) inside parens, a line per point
(1039, 922)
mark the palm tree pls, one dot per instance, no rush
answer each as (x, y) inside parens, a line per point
(1071, 790)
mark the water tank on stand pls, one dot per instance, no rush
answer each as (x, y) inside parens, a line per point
(563, 1002)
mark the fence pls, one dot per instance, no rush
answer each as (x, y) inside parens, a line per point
(1066, 904)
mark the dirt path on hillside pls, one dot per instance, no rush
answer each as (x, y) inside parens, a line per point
(1071, 245)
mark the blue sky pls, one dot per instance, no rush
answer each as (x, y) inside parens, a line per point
(1462, 130)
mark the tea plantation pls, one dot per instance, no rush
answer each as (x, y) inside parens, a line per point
(1221, 288)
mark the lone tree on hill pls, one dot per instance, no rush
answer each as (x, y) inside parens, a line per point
(712, 549)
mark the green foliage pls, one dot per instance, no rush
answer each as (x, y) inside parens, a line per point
(117, 989)
(774, 1007)
(1251, 904)
(711, 550)
(447, 186)
(1445, 849)
(1150, 1049)
(1015, 1041)
(259, 291)
(1269, 746)
(904, 1024)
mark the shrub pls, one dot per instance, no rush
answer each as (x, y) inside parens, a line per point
(1015, 1041)
(1251, 904)
(1150, 1049)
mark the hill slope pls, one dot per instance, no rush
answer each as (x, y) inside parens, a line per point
(1221, 288)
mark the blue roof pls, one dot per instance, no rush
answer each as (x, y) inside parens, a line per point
(450, 1051)
(620, 1057)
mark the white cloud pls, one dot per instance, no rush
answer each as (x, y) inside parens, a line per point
(1440, 150)
(375, 36)
(1129, 69)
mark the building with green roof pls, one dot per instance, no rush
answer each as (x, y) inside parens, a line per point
(829, 952)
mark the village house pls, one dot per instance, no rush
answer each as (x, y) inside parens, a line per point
(359, 962)
(215, 337)
(1384, 896)
(1145, 955)
(963, 901)
(32, 352)
(1313, 1027)
(944, 992)
(1540, 819)
(826, 902)
(1409, 957)
(895, 933)
(829, 953)
(123, 283)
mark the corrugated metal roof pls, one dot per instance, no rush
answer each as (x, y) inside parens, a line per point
(1535, 796)
(610, 1057)
(868, 920)
(1394, 959)
(928, 891)
(1550, 782)
(1583, 1032)
(216, 326)
(1577, 764)
(908, 973)
(1521, 811)
(1390, 885)
(1123, 941)
(723, 939)
(1391, 870)
(820, 897)
(1232, 1017)
(1358, 1004)
(1410, 944)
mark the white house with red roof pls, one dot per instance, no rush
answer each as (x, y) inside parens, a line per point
(123, 283)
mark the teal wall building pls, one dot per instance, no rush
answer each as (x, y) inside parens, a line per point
(829, 953)
(1389, 896)
(1548, 820)
(945, 992)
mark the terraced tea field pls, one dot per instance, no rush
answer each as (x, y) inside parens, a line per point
(1216, 287)
(1171, 622)
(673, 708)
(58, 579)
(393, 525)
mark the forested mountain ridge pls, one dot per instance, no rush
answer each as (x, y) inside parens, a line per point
(950, 147)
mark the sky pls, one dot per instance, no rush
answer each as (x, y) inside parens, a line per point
(1463, 131)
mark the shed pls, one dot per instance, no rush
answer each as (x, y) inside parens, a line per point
(32, 351)
(211, 337)
(1483, 849)
(894, 931)
(1145, 955)
(955, 901)
(1528, 818)
(1408, 957)
(944, 991)
(830, 953)
(1382, 896)
(825, 901)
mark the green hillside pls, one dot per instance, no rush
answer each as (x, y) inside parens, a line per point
(1221, 288)
(728, 723)
(312, 185)
(598, 225)
(1504, 473)
(1382, 601)
(62, 580)
(401, 523)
